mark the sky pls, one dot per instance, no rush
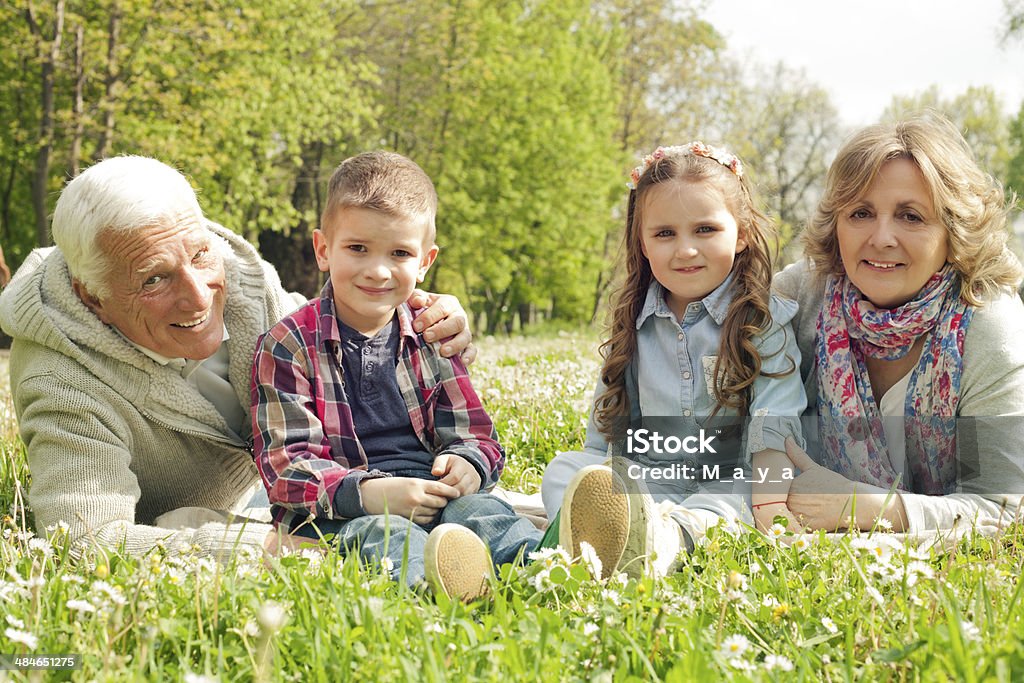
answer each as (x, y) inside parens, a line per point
(865, 51)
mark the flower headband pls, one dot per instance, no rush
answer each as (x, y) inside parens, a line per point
(696, 148)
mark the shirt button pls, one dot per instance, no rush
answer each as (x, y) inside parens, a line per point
(681, 336)
(366, 350)
(686, 375)
(686, 413)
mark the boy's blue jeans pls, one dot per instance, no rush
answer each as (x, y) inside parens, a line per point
(375, 537)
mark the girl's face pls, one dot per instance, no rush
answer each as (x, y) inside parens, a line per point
(890, 240)
(691, 239)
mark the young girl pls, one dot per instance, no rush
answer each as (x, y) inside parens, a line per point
(694, 334)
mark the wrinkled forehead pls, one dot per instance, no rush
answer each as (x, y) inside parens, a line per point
(166, 238)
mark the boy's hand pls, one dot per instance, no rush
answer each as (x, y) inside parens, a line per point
(444, 317)
(418, 500)
(456, 471)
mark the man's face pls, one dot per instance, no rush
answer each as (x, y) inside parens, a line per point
(167, 288)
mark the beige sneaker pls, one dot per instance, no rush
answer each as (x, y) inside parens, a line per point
(457, 563)
(629, 533)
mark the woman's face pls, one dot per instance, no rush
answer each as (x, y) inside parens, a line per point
(890, 240)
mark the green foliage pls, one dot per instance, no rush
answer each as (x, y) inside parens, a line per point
(977, 112)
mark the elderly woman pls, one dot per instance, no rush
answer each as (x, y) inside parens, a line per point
(908, 310)
(131, 363)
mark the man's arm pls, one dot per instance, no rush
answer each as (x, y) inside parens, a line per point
(80, 458)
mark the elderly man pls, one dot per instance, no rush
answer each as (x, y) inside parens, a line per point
(131, 364)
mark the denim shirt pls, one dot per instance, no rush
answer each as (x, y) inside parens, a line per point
(672, 375)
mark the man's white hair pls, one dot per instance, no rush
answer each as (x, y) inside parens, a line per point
(120, 194)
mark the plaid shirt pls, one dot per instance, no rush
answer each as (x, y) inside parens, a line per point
(304, 440)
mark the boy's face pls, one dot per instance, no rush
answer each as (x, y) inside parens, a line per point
(375, 261)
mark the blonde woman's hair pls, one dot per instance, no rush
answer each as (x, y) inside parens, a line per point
(739, 363)
(970, 203)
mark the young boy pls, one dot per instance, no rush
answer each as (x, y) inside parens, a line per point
(361, 428)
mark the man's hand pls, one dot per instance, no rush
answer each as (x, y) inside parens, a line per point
(457, 472)
(418, 500)
(444, 317)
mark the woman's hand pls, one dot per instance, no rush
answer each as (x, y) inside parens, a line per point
(823, 499)
(444, 317)
(818, 497)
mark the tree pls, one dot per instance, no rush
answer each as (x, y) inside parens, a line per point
(235, 94)
(511, 112)
(787, 128)
(977, 112)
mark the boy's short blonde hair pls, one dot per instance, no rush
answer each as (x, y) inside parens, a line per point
(385, 182)
(970, 203)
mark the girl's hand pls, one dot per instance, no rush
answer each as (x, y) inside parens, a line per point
(765, 514)
(457, 472)
(444, 317)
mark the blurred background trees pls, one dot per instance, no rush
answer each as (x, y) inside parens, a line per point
(527, 114)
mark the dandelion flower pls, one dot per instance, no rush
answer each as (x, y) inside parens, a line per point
(734, 646)
(970, 631)
(83, 606)
(590, 559)
(271, 617)
(772, 662)
(22, 637)
(199, 678)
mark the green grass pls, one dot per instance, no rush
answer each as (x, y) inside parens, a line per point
(853, 608)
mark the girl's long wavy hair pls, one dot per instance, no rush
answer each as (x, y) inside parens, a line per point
(739, 363)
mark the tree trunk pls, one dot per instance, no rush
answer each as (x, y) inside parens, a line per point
(79, 106)
(291, 252)
(110, 83)
(41, 174)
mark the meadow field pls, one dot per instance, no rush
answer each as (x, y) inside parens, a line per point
(748, 607)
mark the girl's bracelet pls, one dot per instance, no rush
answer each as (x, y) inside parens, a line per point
(774, 502)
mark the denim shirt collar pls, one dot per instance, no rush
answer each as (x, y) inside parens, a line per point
(716, 304)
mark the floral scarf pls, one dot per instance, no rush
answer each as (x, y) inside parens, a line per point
(850, 328)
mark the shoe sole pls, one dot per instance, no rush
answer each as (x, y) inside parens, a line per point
(457, 563)
(598, 512)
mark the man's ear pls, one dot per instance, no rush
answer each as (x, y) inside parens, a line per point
(91, 302)
(427, 261)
